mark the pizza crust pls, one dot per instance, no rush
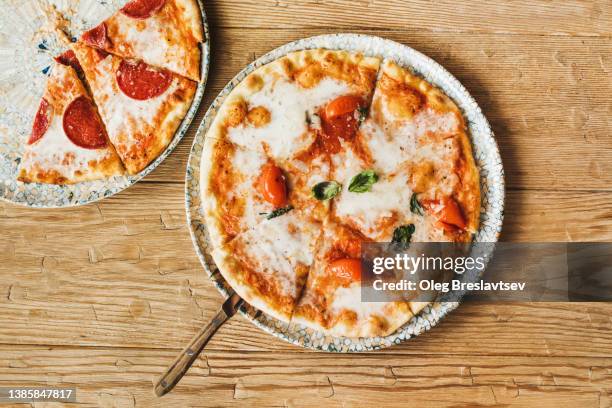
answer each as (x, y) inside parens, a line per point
(386, 320)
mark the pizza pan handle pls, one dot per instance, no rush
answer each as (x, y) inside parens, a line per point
(186, 358)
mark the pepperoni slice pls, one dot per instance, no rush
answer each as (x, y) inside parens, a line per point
(142, 9)
(96, 37)
(42, 120)
(140, 81)
(68, 58)
(82, 124)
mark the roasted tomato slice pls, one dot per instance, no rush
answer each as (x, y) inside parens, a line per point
(340, 120)
(343, 105)
(346, 270)
(448, 212)
(272, 185)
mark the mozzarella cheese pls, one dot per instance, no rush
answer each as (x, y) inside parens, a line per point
(245, 167)
(168, 39)
(54, 151)
(289, 105)
(389, 197)
(277, 246)
(398, 140)
(349, 298)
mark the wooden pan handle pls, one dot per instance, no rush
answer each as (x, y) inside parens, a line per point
(185, 359)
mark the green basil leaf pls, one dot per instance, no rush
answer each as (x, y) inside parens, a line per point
(363, 182)
(415, 206)
(279, 211)
(403, 234)
(363, 114)
(326, 190)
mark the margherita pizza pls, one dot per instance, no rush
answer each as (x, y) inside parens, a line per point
(316, 153)
(142, 106)
(68, 143)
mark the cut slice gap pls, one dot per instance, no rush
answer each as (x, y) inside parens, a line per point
(162, 33)
(69, 143)
(268, 265)
(141, 107)
(233, 191)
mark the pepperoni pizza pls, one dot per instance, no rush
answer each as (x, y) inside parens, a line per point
(138, 69)
(316, 153)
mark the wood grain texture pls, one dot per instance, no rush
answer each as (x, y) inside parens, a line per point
(123, 377)
(572, 17)
(102, 297)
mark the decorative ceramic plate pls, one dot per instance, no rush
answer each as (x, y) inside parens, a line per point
(487, 158)
(27, 47)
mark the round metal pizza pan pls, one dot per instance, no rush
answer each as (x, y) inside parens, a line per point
(486, 154)
(14, 123)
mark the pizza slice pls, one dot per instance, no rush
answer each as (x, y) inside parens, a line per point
(414, 129)
(268, 264)
(242, 188)
(331, 300)
(141, 106)
(162, 33)
(68, 143)
(298, 105)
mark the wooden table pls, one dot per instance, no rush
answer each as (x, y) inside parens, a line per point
(102, 297)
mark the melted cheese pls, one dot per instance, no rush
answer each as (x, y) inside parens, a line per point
(398, 140)
(148, 41)
(122, 114)
(389, 197)
(349, 298)
(278, 245)
(287, 132)
(54, 151)
(159, 40)
(248, 165)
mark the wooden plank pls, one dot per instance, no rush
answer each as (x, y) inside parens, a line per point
(546, 98)
(574, 17)
(123, 272)
(124, 377)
